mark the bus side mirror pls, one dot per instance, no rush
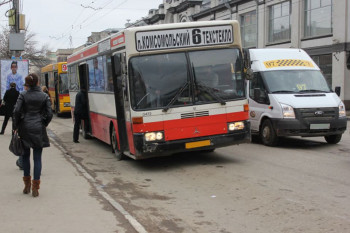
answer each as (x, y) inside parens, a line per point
(338, 90)
(117, 65)
(249, 74)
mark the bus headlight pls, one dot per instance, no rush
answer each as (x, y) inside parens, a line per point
(287, 111)
(342, 112)
(154, 136)
(236, 126)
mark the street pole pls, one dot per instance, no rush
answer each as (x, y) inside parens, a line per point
(15, 28)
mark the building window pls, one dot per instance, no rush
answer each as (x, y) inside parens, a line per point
(248, 29)
(324, 62)
(279, 22)
(318, 18)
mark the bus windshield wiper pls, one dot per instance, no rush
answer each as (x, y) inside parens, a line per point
(178, 93)
(138, 103)
(212, 93)
(313, 90)
(283, 91)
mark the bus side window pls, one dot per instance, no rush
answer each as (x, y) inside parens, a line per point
(110, 86)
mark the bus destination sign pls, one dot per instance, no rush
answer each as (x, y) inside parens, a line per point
(184, 37)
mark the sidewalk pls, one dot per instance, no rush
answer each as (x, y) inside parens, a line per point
(66, 202)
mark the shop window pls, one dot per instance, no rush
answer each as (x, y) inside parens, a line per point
(324, 62)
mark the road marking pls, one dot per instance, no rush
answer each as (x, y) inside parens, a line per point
(136, 225)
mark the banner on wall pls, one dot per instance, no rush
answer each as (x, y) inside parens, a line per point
(13, 71)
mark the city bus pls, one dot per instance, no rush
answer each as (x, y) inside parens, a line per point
(54, 77)
(164, 89)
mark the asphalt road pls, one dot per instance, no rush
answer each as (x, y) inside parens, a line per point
(302, 185)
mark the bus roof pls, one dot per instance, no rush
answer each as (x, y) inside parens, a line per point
(165, 37)
(61, 67)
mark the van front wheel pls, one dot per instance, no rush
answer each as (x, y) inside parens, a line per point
(268, 134)
(333, 139)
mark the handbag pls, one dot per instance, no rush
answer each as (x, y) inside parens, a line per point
(16, 145)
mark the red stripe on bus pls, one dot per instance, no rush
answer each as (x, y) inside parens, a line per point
(100, 126)
(192, 127)
(61, 96)
(118, 40)
(84, 54)
(130, 134)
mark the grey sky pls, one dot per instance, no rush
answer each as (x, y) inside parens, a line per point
(54, 21)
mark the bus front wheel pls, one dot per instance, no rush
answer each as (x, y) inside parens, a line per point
(114, 143)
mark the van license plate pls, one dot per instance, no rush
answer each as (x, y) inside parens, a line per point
(191, 145)
(320, 126)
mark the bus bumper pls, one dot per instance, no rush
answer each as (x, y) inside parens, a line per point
(147, 150)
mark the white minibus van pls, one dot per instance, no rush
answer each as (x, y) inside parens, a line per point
(289, 96)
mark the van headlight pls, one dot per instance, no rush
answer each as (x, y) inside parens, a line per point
(239, 125)
(154, 136)
(342, 112)
(287, 111)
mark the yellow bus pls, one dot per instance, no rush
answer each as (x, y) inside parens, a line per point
(54, 77)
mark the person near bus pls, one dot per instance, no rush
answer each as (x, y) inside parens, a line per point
(14, 77)
(10, 99)
(32, 114)
(46, 90)
(80, 113)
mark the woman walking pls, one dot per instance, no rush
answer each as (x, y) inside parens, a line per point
(32, 114)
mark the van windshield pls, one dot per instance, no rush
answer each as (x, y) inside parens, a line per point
(295, 81)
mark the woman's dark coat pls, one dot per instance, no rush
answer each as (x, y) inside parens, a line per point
(10, 98)
(32, 114)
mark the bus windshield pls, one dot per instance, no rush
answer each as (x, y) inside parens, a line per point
(180, 79)
(63, 84)
(295, 81)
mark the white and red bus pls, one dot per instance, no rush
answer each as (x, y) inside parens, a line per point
(163, 89)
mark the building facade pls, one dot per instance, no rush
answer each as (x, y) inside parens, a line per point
(320, 27)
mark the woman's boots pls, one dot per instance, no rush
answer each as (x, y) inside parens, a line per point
(35, 188)
(27, 182)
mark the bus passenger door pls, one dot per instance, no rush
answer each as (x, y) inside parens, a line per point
(46, 80)
(83, 84)
(121, 100)
(57, 100)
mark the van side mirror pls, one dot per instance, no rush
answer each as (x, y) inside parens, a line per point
(338, 90)
(117, 65)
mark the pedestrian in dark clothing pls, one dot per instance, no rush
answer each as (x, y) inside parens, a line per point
(80, 113)
(32, 114)
(10, 99)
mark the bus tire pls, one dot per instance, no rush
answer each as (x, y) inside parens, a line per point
(57, 110)
(267, 134)
(208, 151)
(114, 144)
(333, 139)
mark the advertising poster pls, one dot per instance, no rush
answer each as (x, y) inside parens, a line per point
(13, 71)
